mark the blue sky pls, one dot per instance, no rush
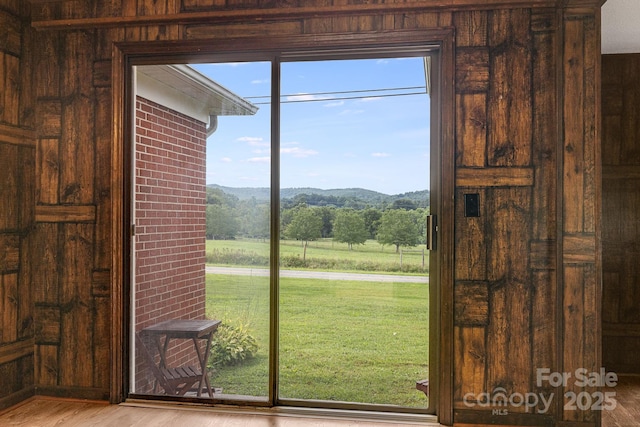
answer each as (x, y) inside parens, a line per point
(365, 139)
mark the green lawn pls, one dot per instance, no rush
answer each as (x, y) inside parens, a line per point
(339, 340)
(370, 256)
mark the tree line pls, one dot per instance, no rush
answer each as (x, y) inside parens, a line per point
(401, 223)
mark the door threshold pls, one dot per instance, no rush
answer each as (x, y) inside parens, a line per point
(425, 420)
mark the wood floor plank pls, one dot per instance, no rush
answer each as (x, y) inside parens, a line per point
(627, 411)
(46, 412)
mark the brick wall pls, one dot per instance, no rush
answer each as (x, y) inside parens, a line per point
(170, 216)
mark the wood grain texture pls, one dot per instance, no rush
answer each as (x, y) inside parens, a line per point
(620, 227)
(494, 177)
(76, 306)
(17, 203)
(471, 129)
(10, 33)
(54, 18)
(9, 253)
(10, 105)
(509, 132)
(16, 350)
(471, 303)
(65, 213)
(45, 412)
(472, 72)
(17, 135)
(545, 145)
(9, 303)
(473, 247)
(581, 266)
(470, 363)
(524, 73)
(471, 28)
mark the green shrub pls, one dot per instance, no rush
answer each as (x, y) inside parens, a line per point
(236, 257)
(231, 345)
(293, 261)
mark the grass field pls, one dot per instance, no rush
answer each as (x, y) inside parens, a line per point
(339, 340)
(324, 253)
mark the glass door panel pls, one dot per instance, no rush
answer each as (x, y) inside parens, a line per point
(202, 212)
(354, 291)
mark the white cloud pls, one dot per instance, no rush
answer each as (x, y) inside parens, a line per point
(226, 159)
(305, 97)
(254, 141)
(370, 99)
(298, 152)
(380, 154)
(259, 82)
(334, 104)
(259, 159)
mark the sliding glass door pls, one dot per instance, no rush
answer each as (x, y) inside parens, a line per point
(279, 211)
(202, 218)
(354, 289)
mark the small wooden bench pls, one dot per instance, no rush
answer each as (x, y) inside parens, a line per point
(174, 381)
(423, 386)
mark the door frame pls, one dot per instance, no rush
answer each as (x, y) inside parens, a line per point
(127, 55)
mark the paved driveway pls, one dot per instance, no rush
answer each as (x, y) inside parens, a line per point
(328, 275)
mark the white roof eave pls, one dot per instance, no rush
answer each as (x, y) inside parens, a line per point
(186, 90)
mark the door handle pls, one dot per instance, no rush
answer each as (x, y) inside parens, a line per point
(432, 228)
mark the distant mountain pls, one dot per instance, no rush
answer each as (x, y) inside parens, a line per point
(359, 194)
(261, 194)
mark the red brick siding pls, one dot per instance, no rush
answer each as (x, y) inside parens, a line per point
(170, 217)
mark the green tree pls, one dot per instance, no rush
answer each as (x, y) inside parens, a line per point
(349, 228)
(421, 218)
(221, 222)
(371, 218)
(305, 225)
(327, 214)
(404, 204)
(254, 219)
(216, 196)
(398, 227)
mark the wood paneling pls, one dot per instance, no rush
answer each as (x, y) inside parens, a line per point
(509, 130)
(621, 202)
(494, 177)
(497, 157)
(525, 272)
(52, 17)
(581, 192)
(65, 213)
(17, 190)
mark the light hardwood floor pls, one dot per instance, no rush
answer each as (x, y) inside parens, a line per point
(627, 411)
(44, 412)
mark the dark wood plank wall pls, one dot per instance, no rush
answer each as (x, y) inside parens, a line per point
(580, 275)
(526, 95)
(17, 208)
(621, 207)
